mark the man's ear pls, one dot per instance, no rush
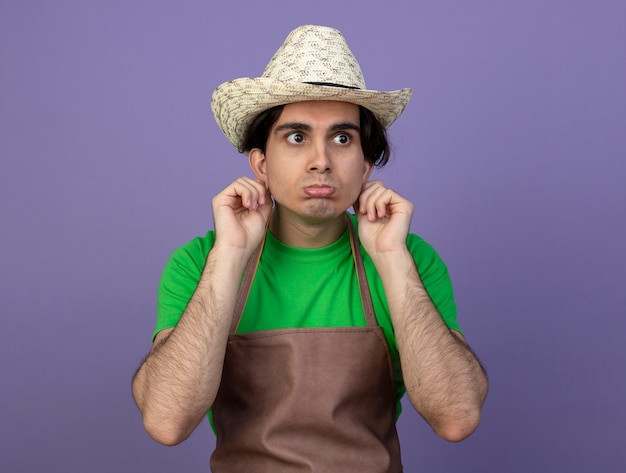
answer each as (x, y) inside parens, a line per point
(368, 167)
(256, 160)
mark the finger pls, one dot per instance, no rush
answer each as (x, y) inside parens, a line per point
(266, 208)
(251, 192)
(375, 202)
(366, 190)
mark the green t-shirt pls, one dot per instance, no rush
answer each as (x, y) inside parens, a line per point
(297, 287)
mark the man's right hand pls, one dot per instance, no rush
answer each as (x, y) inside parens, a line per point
(240, 213)
(177, 383)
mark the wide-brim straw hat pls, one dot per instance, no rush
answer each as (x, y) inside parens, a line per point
(314, 63)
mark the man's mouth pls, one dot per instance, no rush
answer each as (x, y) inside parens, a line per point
(319, 191)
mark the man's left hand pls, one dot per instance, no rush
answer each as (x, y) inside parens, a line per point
(384, 219)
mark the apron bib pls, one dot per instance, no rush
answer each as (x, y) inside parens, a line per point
(307, 399)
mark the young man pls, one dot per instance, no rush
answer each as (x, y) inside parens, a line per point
(298, 325)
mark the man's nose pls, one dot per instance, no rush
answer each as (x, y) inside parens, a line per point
(319, 160)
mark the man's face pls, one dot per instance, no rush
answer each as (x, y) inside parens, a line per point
(313, 162)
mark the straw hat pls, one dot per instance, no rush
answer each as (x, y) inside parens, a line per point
(314, 63)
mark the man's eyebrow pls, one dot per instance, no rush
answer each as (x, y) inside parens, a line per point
(345, 126)
(292, 126)
(305, 127)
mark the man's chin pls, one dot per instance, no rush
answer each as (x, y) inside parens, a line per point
(317, 211)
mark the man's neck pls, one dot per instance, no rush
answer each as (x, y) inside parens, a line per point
(306, 233)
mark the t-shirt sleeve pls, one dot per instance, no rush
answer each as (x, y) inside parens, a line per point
(434, 275)
(179, 280)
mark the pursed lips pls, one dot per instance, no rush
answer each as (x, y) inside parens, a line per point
(319, 190)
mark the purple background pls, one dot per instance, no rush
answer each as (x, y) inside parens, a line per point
(513, 150)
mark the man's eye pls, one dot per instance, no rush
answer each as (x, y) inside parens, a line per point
(342, 139)
(295, 138)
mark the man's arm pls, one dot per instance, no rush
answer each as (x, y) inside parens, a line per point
(179, 379)
(444, 380)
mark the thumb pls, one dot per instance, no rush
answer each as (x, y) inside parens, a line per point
(266, 209)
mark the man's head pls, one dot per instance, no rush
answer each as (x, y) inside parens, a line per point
(314, 63)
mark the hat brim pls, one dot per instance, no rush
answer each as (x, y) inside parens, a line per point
(236, 103)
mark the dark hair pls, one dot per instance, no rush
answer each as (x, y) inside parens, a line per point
(374, 141)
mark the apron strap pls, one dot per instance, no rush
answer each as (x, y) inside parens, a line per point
(246, 281)
(366, 297)
(253, 263)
